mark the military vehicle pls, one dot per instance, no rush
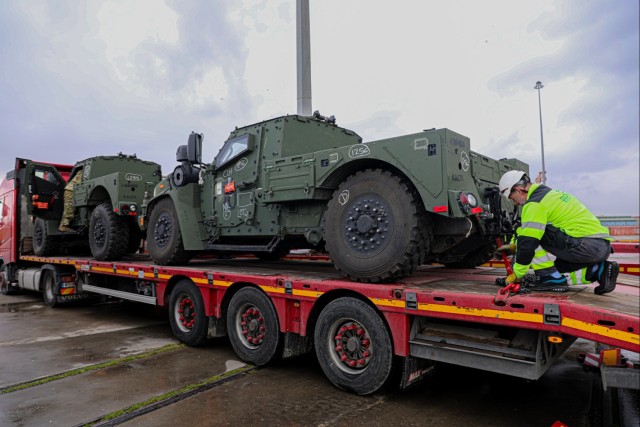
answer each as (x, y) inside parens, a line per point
(107, 194)
(379, 208)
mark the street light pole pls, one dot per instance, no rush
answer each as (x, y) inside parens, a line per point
(544, 170)
(303, 57)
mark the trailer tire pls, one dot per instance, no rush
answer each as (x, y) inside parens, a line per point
(253, 327)
(186, 314)
(108, 233)
(44, 244)
(372, 227)
(353, 346)
(49, 294)
(164, 238)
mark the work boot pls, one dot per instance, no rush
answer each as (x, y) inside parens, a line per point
(607, 278)
(65, 229)
(548, 283)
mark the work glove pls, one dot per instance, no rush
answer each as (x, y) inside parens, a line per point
(512, 279)
(508, 249)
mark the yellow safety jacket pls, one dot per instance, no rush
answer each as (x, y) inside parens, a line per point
(547, 207)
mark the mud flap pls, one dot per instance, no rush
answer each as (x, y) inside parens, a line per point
(414, 371)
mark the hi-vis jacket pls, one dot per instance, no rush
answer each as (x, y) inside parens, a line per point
(547, 207)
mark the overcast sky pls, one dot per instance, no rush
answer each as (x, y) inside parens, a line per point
(98, 77)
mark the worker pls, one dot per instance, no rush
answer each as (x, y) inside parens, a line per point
(67, 213)
(556, 222)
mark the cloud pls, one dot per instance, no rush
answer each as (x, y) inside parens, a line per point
(97, 78)
(594, 140)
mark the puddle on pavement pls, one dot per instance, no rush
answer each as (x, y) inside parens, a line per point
(20, 307)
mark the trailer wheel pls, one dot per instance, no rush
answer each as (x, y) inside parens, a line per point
(186, 315)
(353, 346)
(44, 244)
(253, 327)
(49, 294)
(108, 233)
(164, 239)
(372, 230)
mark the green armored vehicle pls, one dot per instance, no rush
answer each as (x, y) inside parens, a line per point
(379, 209)
(97, 203)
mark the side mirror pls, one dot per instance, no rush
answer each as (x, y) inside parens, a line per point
(194, 148)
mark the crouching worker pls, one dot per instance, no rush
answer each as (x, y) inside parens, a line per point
(556, 222)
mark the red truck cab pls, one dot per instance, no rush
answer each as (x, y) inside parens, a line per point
(14, 217)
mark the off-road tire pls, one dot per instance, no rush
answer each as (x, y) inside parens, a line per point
(186, 314)
(353, 346)
(164, 238)
(44, 244)
(252, 324)
(373, 230)
(108, 233)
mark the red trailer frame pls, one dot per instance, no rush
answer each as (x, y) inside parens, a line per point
(436, 299)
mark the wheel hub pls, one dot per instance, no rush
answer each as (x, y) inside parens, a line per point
(99, 233)
(352, 345)
(252, 326)
(162, 231)
(187, 313)
(367, 224)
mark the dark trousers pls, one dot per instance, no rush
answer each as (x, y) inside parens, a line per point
(574, 253)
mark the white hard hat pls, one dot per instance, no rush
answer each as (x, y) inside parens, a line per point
(511, 178)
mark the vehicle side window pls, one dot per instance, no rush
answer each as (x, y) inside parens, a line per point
(232, 149)
(2, 208)
(45, 175)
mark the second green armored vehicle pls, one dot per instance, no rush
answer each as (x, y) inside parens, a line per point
(379, 209)
(97, 204)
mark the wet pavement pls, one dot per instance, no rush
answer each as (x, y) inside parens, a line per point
(37, 342)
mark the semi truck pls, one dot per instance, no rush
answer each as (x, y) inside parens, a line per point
(365, 336)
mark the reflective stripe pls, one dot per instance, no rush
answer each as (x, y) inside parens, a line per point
(544, 263)
(534, 225)
(573, 278)
(578, 277)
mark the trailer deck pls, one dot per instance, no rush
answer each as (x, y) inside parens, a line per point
(432, 292)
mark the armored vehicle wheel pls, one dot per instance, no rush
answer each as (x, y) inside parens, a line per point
(44, 244)
(372, 230)
(108, 233)
(186, 314)
(253, 327)
(164, 239)
(353, 346)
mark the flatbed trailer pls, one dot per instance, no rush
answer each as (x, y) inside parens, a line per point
(364, 335)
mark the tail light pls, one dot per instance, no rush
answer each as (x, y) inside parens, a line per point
(469, 203)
